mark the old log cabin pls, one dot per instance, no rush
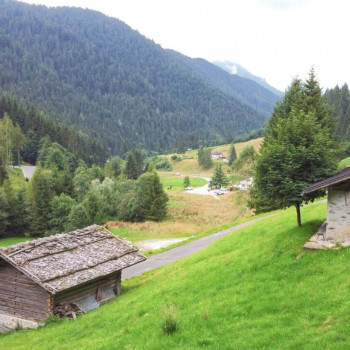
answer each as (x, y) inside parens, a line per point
(81, 269)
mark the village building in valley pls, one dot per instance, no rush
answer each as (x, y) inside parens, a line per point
(65, 275)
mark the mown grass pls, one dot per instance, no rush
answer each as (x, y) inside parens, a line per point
(177, 182)
(255, 289)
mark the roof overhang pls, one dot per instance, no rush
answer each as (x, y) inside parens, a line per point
(338, 179)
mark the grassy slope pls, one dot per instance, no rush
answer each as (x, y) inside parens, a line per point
(191, 167)
(255, 289)
(344, 163)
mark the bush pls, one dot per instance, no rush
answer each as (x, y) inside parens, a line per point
(176, 158)
(161, 164)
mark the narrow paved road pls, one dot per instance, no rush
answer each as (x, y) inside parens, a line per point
(27, 170)
(180, 252)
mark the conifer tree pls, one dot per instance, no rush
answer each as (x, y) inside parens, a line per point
(131, 170)
(150, 201)
(186, 181)
(41, 192)
(233, 155)
(298, 149)
(219, 178)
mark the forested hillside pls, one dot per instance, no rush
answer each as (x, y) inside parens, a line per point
(37, 126)
(246, 90)
(94, 72)
(339, 102)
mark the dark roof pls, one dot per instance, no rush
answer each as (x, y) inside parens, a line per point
(66, 260)
(344, 176)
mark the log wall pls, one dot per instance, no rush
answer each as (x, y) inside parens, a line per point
(88, 289)
(20, 296)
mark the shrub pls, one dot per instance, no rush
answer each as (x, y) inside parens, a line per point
(162, 164)
(176, 158)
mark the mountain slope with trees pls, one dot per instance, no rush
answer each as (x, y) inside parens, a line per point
(96, 73)
(339, 102)
(237, 69)
(242, 88)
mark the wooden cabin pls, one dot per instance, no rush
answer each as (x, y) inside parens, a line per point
(64, 274)
(337, 226)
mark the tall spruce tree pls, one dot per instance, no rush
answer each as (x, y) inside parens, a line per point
(233, 155)
(219, 178)
(298, 149)
(41, 192)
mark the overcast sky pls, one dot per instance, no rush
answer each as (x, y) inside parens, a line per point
(274, 39)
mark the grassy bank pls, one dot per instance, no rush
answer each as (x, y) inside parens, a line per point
(255, 289)
(188, 215)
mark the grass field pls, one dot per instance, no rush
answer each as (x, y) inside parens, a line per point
(188, 215)
(176, 182)
(255, 289)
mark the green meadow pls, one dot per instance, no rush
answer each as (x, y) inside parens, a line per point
(254, 289)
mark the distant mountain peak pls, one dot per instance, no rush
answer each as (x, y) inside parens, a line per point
(236, 69)
(232, 69)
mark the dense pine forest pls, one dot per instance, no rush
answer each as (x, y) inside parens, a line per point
(339, 102)
(246, 90)
(37, 127)
(94, 72)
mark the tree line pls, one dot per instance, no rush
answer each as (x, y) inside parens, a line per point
(65, 194)
(37, 126)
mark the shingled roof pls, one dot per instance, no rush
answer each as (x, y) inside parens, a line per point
(344, 176)
(66, 260)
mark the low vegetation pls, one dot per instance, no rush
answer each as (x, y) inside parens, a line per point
(188, 215)
(255, 289)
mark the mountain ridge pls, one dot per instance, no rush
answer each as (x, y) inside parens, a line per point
(94, 72)
(237, 69)
(242, 88)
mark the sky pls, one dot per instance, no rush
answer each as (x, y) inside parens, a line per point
(274, 39)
